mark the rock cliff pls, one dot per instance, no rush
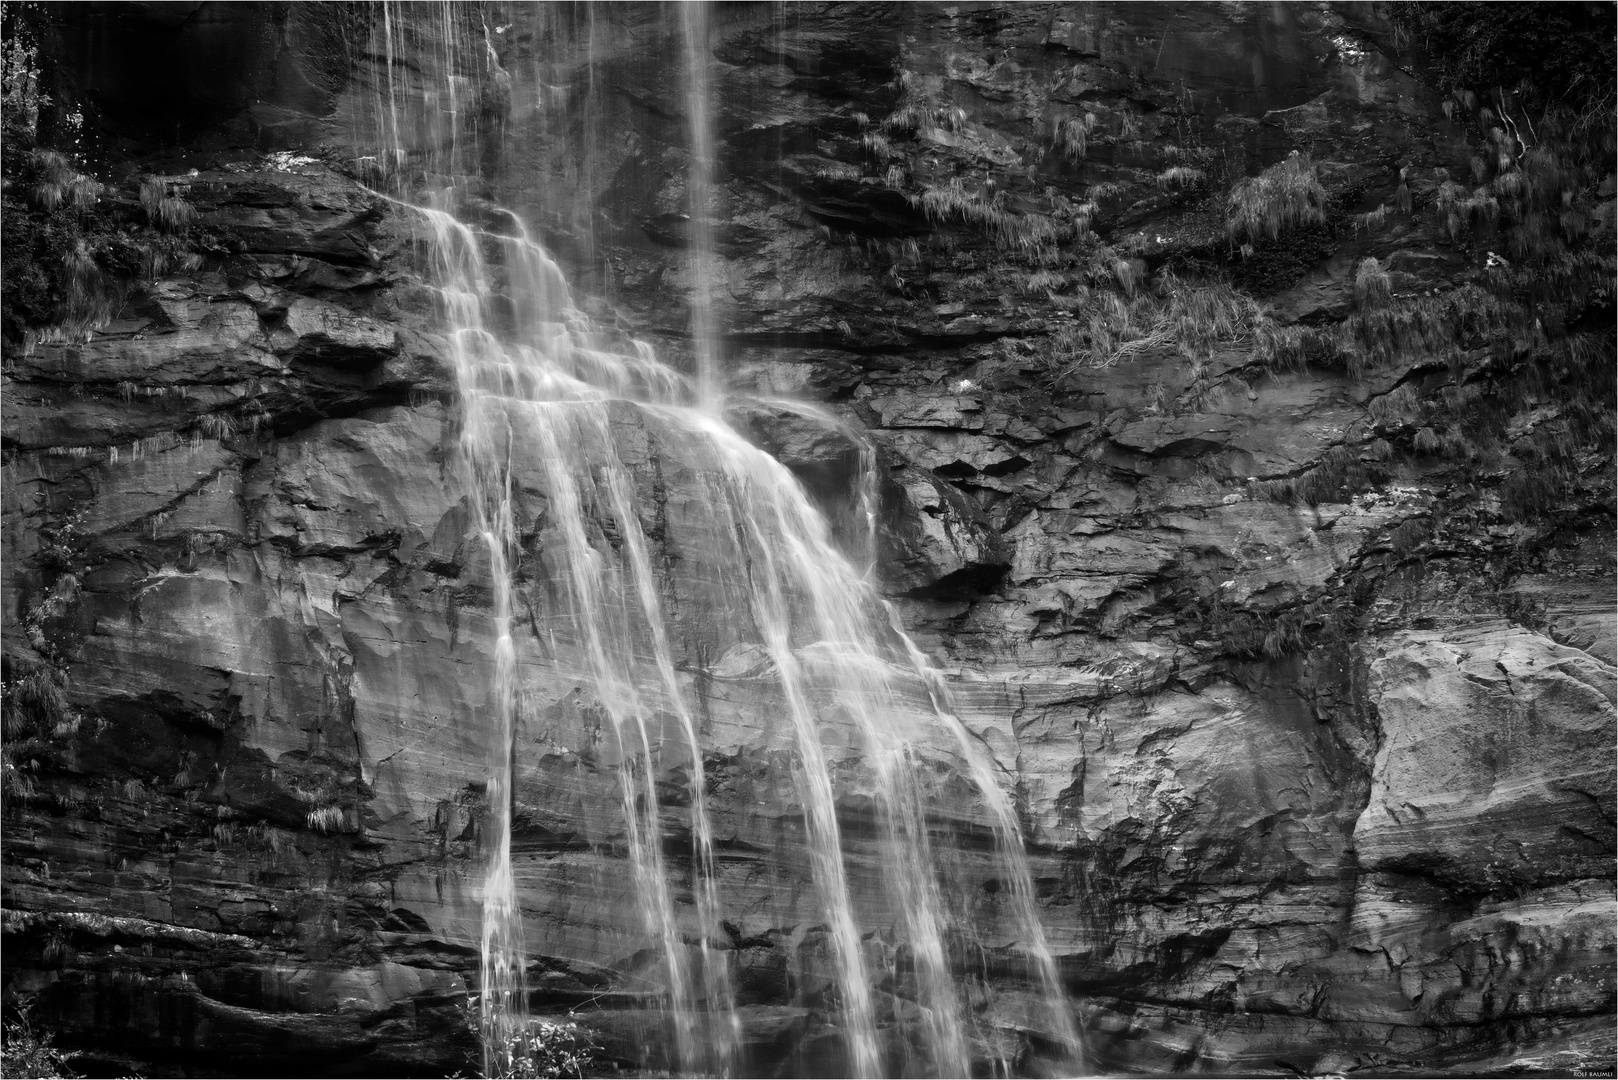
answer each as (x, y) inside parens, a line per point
(1271, 556)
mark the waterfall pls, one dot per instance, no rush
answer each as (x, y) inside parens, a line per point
(558, 417)
(700, 175)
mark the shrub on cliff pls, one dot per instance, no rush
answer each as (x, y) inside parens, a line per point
(21, 91)
(1528, 331)
(47, 197)
(70, 256)
(558, 1050)
(547, 1049)
(28, 287)
(26, 1052)
(1547, 52)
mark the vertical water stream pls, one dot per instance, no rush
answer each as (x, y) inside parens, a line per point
(694, 17)
(546, 398)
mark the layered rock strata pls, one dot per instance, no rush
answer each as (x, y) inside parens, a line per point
(1311, 784)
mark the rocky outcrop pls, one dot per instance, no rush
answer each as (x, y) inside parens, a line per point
(1310, 736)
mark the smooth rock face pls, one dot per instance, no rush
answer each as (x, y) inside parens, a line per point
(1485, 774)
(235, 531)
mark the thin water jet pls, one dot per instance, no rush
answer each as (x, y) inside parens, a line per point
(694, 26)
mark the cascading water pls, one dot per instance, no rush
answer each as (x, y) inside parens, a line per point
(557, 419)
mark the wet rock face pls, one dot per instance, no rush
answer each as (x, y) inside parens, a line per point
(1310, 783)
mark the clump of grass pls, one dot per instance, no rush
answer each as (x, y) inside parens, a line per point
(34, 704)
(1044, 281)
(1378, 336)
(1371, 220)
(876, 146)
(1282, 347)
(35, 711)
(1372, 286)
(165, 210)
(922, 118)
(16, 777)
(1195, 318)
(1181, 176)
(267, 836)
(1078, 215)
(1127, 273)
(1206, 315)
(1403, 198)
(1458, 209)
(325, 812)
(1071, 135)
(1009, 230)
(183, 776)
(215, 426)
(90, 298)
(59, 184)
(1117, 330)
(325, 818)
(223, 832)
(1130, 129)
(1283, 197)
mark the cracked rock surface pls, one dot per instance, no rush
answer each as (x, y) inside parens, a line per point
(1309, 785)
